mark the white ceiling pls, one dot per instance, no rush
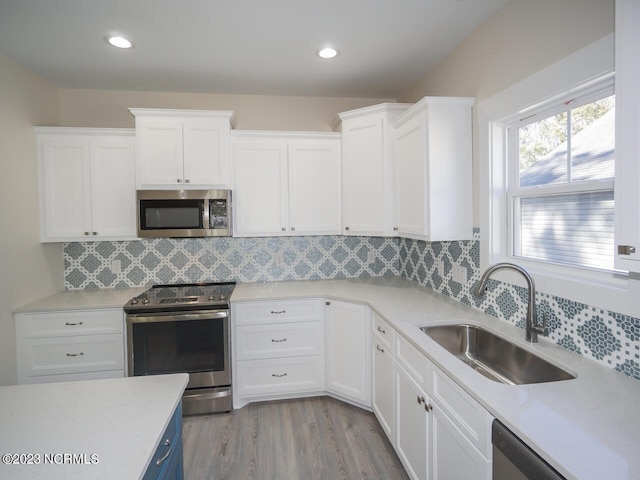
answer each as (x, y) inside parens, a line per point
(239, 46)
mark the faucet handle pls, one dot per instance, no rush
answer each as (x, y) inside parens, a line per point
(541, 329)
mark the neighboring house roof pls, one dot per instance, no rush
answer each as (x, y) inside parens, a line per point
(592, 152)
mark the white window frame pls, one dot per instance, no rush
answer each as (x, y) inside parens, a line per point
(587, 93)
(607, 290)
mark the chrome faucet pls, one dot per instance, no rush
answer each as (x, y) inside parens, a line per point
(532, 328)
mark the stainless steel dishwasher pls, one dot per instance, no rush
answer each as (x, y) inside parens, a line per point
(514, 460)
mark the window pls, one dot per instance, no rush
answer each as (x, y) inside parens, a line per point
(560, 171)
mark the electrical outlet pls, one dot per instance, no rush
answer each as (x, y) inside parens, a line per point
(279, 259)
(371, 256)
(116, 266)
(441, 268)
(459, 274)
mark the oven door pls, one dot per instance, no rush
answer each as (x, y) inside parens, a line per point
(197, 343)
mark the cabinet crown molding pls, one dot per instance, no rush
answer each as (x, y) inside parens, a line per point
(426, 102)
(393, 108)
(182, 113)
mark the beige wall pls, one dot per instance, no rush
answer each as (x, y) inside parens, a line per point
(521, 39)
(28, 269)
(103, 108)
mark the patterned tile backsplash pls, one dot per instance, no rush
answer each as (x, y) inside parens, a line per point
(607, 337)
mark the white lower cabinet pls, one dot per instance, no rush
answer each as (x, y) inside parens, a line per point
(439, 431)
(382, 378)
(69, 345)
(347, 351)
(278, 349)
(413, 425)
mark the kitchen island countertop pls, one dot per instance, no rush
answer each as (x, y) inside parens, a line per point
(92, 429)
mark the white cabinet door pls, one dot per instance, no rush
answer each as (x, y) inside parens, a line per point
(368, 200)
(363, 177)
(434, 170)
(113, 187)
(159, 152)
(314, 187)
(382, 400)
(453, 454)
(260, 193)
(347, 350)
(65, 196)
(411, 177)
(87, 184)
(627, 189)
(205, 144)
(413, 426)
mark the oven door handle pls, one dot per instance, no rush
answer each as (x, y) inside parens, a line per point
(177, 316)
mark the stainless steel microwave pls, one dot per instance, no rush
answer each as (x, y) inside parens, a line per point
(184, 213)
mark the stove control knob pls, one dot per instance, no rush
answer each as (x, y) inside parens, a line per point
(145, 301)
(134, 301)
(211, 298)
(222, 297)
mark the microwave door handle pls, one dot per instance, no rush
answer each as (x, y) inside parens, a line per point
(206, 208)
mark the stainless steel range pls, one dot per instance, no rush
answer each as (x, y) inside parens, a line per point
(184, 329)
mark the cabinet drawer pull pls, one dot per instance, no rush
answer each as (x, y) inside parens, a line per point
(381, 330)
(278, 312)
(278, 341)
(71, 324)
(428, 407)
(420, 399)
(380, 349)
(278, 375)
(167, 443)
(75, 354)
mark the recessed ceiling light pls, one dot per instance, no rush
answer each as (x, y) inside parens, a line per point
(118, 41)
(327, 52)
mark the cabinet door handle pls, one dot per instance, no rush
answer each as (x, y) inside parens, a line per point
(284, 229)
(70, 324)
(327, 303)
(428, 407)
(293, 229)
(381, 330)
(167, 443)
(346, 228)
(380, 349)
(75, 354)
(278, 341)
(86, 233)
(278, 375)
(94, 233)
(186, 180)
(420, 399)
(179, 180)
(278, 312)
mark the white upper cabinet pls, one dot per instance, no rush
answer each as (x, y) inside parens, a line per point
(87, 184)
(433, 164)
(368, 200)
(627, 181)
(286, 183)
(182, 148)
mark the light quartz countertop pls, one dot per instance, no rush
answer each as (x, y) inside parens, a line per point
(82, 299)
(587, 428)
(113, 426)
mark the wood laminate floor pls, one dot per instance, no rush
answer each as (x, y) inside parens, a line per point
(301, 439)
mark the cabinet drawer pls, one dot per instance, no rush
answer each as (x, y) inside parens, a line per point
(280, 375)
(63, 355)
(465, 413)
(69, 323)
(169, 447)
(279, 311)
(413, 361)
(383, 332)
(278, 340)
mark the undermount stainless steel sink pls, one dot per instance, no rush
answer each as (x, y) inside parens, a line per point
(493, 356)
